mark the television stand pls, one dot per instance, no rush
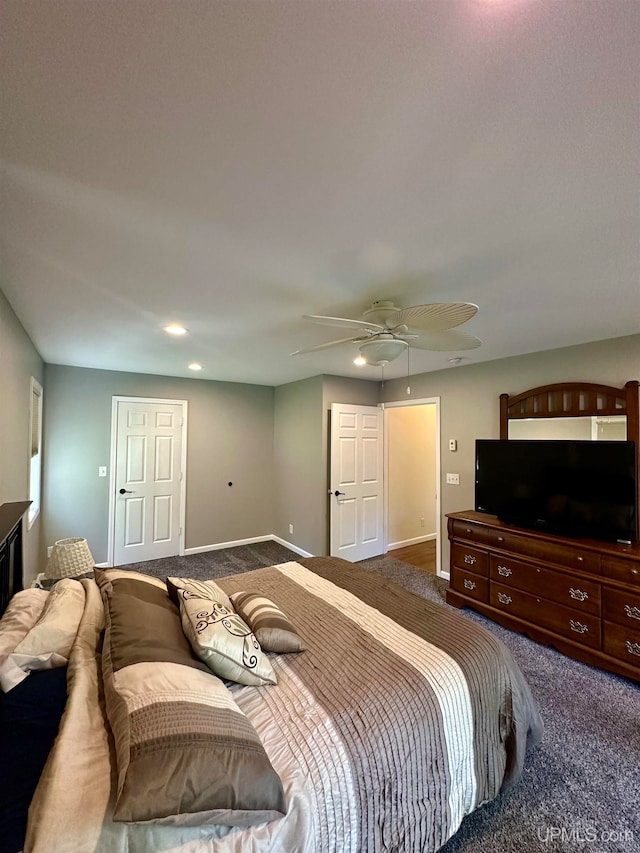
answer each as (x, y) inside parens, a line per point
(581, 596)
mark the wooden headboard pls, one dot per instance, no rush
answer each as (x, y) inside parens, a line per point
(574, 400)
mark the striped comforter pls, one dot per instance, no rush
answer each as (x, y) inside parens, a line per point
(400, 718)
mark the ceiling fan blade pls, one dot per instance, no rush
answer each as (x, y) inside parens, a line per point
(330, 344)
(343, 322)
(447, 341)
(436, 317)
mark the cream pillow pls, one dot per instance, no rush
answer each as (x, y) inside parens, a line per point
(218, 636)
(48, 644)
(57, 626)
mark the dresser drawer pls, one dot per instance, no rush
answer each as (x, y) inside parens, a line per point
(627, 571)
(470, 531)
(623, 643)
(467, 583)
(621, 606)
(578, 626)
(548, 552)
(582, 595)
(471, 559)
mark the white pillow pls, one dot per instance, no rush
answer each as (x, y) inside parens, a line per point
(218, 636)
(57, 626)
(48, 644)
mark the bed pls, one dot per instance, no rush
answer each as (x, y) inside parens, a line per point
(399, 718)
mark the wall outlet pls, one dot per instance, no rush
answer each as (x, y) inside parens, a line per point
(453, 479)
(422, 522)
(102, 471)
(453, 444)
(291, 528)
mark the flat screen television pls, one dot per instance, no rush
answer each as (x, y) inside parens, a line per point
(570, 488)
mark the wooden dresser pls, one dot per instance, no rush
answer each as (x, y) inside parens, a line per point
(581, 596)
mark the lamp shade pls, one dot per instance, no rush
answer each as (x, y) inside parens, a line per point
(69, 559)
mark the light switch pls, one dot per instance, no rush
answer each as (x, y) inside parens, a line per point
(102, 471)
(453, 479)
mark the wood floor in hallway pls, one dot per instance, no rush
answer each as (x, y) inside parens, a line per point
(422, 555)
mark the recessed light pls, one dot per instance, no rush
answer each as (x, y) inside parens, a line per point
(360, 360)
(174, 329)
(195, 366)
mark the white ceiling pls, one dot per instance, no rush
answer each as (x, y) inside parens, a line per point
(234, 165)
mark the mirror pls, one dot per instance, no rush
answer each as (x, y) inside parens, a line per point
(594, 428)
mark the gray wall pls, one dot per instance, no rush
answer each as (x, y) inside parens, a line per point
(298, 468)
(19, 361)
(469, 404)
(229, 438)
(301, 440)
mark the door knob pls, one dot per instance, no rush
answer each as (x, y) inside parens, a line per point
(337, 493)
(125, 492)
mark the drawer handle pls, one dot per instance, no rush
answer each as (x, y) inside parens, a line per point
(503, 598)
(500, 538)
(470, 560)
(578, 594)
(578, 627)
(505, 571)
(633, 648)
(634, 571)
(469, 584)
(580, 559)
(632, 612)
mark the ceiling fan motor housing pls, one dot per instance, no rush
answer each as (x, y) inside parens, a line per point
(381, 312)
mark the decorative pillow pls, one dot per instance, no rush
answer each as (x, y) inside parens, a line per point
(272, 629)
(48, 644)
(218, 635)
(202, 589)
(186, 755)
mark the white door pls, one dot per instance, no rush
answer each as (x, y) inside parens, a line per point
(357, 505)
(148, 496)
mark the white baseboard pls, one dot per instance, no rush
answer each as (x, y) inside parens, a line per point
(289, 545)
(271, 537)
(392, 546)
(103, 566)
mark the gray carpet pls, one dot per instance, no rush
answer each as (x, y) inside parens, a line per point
(580, 786)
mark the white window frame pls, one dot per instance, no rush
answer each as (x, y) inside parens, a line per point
(35, 459)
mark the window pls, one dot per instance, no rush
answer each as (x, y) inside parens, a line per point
(35, 450)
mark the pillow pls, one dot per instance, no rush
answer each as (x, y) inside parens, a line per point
(218, 635)
(186, 755)
(22, 613)
(201, 589)
(271, 627)
(48, 644)
(57, 626)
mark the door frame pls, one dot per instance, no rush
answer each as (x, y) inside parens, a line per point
(115, 401)
(418, 402)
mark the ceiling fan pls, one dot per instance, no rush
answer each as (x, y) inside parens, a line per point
(385, 331)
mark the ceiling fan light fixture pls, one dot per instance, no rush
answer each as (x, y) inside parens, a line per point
(174, 329)
(382, 350)
(360, 360)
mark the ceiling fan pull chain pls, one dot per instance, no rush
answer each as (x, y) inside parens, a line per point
(408, 374)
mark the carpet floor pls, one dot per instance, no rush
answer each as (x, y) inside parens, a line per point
(580, 786)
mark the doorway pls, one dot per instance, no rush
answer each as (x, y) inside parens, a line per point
(412, 482)
(148, 483)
